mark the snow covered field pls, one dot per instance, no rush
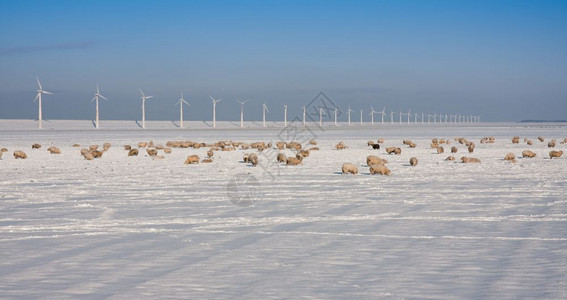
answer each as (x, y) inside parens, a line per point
(123, 227)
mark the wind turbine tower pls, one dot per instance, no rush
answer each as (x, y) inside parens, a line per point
(181, 102)
(144, 98)
(97, 95)
(214, 110)
(38, 98)
(264, 110)
(285, 115)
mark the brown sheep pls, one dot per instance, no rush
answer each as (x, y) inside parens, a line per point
(450, 157)
(142, 144)
(4, 150)
(207, 160)
(54, 150)
(440, 150)
(394, 150)
(133, 152)
(471, 148)
(76, 145)
(246, 157)
(528, 154)
(540, 138)
(555, 153)
(151, 152)
(468, 160)
(281, 158)
(349, 168)
(106, 146)
(158, 157)
(210, 153)
(374, 160)
(435, 141)
(96, 153)
(167, 150)
(454, 149)
(127, 147)
(93, 147)
(304, 153)
(413, 161)
(192, 159)
(87, 154)
(294, 161)
(380, 141)
(510, 157)
(173, 144)
(159, 147)
(530, 142)
(551, 144)
(515, 140)
(340, 146)
(253, 159)
(314, 149)
(380, 169)
(412, 145)
(36, 146)
(312, 142)
(20, 154)
(370, 143)
(280, 145)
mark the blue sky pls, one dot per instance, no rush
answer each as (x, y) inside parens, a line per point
(503, 60)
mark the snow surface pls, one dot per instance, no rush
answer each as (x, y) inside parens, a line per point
(125, 227)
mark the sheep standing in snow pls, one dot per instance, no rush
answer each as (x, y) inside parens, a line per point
(96, 153)
(246, 157)
(151, 152)
(555, 153)
(349, 168)
(106, 146)
(376, 146)
(281, 158)
(340, 146)
(127, 147)
(253, 159)
(551, 144)
(440, 150)
(294, 161)
(313, 142)
(167, 150)
(19, 154)
(142, 144)
(207, 160)
(540, 138)
(304, 153)
(76, 145)
(87, 154)
(454, 149)
(133, 152)
(413, 161)
(4, 150)
(450, 158)
(510, 157)
(468, 160)
(210, 153)
(528, 154)
(515, 140)
(93, 147)
(380, 169)
(374, 160)
(192, 159)
(470, 148)
(54, 150)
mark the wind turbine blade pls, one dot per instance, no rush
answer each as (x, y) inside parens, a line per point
(97, 89)
(38, 83)
(103, 97)
(93, 99)
(148, 97)
(212, 98)
(46, 92)
(142, 93)
(36, 97)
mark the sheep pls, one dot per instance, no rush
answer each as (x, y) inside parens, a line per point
(413, 161)
(380, 141)
(159, 147)
(528, 154)
(54, 150)
(4, 150)
(304, 153)
(380, 169)
(454, 149)
(106, 146)
(158, 157)
(510, 157)
(93, 147)
(435, 141)
(167, 150)
(281, 158)
(374, 160)
(564, 141)
(207, 160)
(349, 168)
(434, 145)
(246, 157)
(376, 146)
(450, 158)
(280, 145)
(551, 144)
(540, 138)
(253, 159)
(394, 150)
(440, 150)
(313, 142)
(412, 145)
(471, 148)
(96, 153)
(468, 160)
(314, 149)
(210, 153)
(370, 143)
(36, 146)
(133, 152)
(340, 146)
(142, 144)
(294, 161)
(173, 144)
(20, 154)
(127, 147)
(151, 144)
(530, 142)
(555, 153)
(515, 140)
(76, 145)
(87, 155)
(151, 152)
(192, 159)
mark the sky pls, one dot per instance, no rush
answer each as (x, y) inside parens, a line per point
(502, 60)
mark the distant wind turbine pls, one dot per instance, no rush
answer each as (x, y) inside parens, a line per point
(242, 112)
(264, 110)
(320, 116)
(181, 102)
(144, 98)
(348, 114)
(38, 98)
(304, 116)
(372, 112)
(97, 95)
(214, 110)
(361, 117)
(409, 115)
(285, 115)
(383, 113)
(391, 117)
(336, 114)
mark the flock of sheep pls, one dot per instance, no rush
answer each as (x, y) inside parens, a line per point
(375, 164)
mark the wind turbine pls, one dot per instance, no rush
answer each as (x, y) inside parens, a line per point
(336, 114)
(321, 116)
(348, 113)
(401, 114)
(391, 117)
(264, 109)
(285, 115)
(242, 112)
(409, 115)
(383, 113)
(415, 115)
(96, 96)
(181, 102)
(144, 98)
(372, 112)
(38, 98)
(214, 110)
(361, 117)
(422, 115)
(304, 116)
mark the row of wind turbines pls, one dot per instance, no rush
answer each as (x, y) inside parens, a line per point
(437, 118)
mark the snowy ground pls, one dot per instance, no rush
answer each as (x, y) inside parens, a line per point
(135, 228)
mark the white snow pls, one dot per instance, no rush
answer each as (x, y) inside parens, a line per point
(125, 227)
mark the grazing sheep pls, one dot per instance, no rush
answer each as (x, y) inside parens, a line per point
(294, 161)
(413, 161)
(210, 153)
(530, 142)
(127, 147)
(314, 149)
(468, 160)
(374, 160)
(106, 146)
(312, 142)
(253, 159)
(434, 145)
(349, 168)
(133, 152)
(370, 143)
(454, 149)
(54, 150)
(4, 150)
(440, 150)
(142, 144)
(36, 146)
(450, 157)
(281, 145)
(412, 145)
(20, 154)
(159, 147)
(304, 153)
(192, 159)
(167, 150)
(435, 141)
(564, 141)
(551, 144)
(380, 141)
(394, 150)
(96, 153)
(173, 144)
(528, 154)
(555, 153)
(340, 146)
(510, 157)
(76, 145)
(93, 147)
(207, 160)
(246, 157)
(515, 140)
(376, 146)
(151, 152)
(158, 157)
(540, 138)
(281, 158)
(88, 156)
(379, 169)
(471, 148)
